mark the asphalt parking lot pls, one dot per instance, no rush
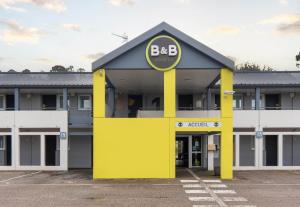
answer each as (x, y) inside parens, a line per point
(190, 189)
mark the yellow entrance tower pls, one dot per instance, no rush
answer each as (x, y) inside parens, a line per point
(143, 146)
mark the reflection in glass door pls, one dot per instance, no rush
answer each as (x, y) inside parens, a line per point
(196, 151)
(181, 152)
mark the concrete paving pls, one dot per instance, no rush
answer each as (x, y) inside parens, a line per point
(196, 188)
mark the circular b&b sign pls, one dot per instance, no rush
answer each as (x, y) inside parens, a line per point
(163, 53)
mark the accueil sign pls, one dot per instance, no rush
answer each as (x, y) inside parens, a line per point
(197, 124)
(163, 53)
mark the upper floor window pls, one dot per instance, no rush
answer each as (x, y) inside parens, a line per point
(238, 102)
(185, 102)
(253, 103)
(60, 102)
(217, 102)
(84, 102)
(2, 102)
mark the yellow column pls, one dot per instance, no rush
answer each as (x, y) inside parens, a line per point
(99, 93)
(170, 112)
(226, 158)
(170, 93)
(98, 114)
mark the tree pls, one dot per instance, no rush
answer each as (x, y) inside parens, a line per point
(11, 71)
(26, 71)
(298, 60)
(58, 68)
(70, 68)
(252, 67)
(80, 70)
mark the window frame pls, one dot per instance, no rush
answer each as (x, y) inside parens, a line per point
(78, 102)
(4, 103)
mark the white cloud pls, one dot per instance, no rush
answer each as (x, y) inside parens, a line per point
(74, 27)
(287, 23)
(289, 28)
(184, 1)
(43, 60)
(282, 19)
(225, 29)
(122, 2)
(9, 5)
(53, 5)
(94, 56)
(283, 2)
(15, 33)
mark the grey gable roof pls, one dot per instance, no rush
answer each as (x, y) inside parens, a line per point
(78, 80)
(162, 27)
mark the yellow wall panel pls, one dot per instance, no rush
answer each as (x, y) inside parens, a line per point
(133, 148)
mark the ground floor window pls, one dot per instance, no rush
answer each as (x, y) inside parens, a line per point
(80, 151)
(247, 150)
(270, 152)
(52, 150)
(30, 150)
(291, 150)
(5, 150)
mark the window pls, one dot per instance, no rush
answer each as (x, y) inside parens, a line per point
(253, 103)
(60, 102)
(84, 102)
(238, 102)
(217, 101)
(2, 102)
(2, 144)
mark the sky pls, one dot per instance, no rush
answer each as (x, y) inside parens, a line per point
(38, 34)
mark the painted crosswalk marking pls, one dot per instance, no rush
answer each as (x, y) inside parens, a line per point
(201, 198)
(195, 191)
(192, 186)
(214, 197)
(237, 199)
(217, 185)
(224, 191)
(213, 193)
(212, 181)
(189, 181)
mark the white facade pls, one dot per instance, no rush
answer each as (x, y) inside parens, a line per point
(24, 123)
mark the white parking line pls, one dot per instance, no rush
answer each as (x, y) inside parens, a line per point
(212, 181)
(238, 199)
(217, 185)
(224, 191)
(201, 198)
(189, 181)
(192, 186)
(195, 191)
(17, 177)
(214, 196)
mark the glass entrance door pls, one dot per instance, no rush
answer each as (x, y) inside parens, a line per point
(182, 149)
(196, 151)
